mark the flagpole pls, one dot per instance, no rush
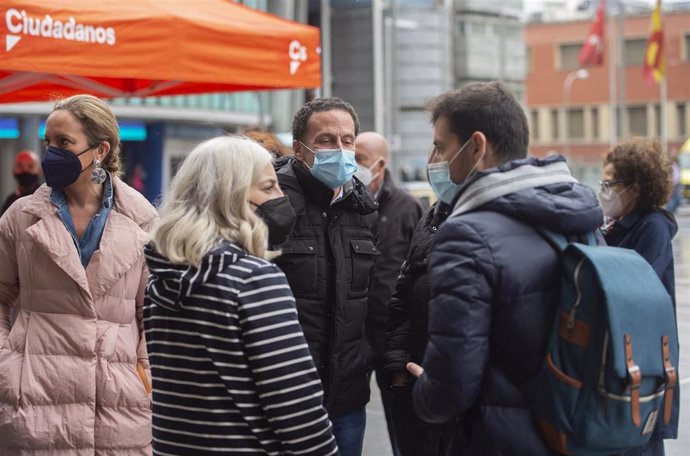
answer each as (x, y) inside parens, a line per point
(663, 95)
(613, 125)
(620, 32)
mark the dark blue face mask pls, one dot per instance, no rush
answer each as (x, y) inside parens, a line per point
(61, 167)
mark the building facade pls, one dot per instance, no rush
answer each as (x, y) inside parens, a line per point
(424, 47)
(388, 58)
(583, 117)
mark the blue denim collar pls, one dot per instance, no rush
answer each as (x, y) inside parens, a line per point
(59, 200)
(91, 238)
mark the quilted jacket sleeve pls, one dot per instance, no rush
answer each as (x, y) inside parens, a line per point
(462, 276)
(398, 332)
(142, 355)
(9, 275)
(399, 329)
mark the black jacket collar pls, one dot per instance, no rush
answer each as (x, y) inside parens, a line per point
(386, 187)
(356, 197)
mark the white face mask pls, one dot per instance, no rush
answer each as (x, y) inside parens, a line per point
(611, 203)
(365, 175)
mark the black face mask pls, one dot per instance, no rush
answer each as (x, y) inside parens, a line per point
(62, 168)
(279, 217)
(26, 180)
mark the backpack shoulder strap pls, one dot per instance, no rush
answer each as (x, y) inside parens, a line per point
(557, 241)
(560, 242)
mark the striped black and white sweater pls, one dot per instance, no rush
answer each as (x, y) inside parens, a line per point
(232, 373)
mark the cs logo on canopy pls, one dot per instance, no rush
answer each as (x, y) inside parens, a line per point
(298, 54)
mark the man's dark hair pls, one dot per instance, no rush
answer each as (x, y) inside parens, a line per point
(489, 108)
(301, 118)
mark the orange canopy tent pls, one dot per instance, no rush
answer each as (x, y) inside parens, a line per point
(149, 47)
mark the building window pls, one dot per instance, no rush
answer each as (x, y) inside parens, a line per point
(687, 47)
(637, 121)
(634, 51)
(595, 123)
(576, 123)
(567, 56)
(554, 125)
(657, 120)
(682, 125)
(534, 117)
(529, 60)
(479, 28)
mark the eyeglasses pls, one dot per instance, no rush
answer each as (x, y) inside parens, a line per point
(606, 185)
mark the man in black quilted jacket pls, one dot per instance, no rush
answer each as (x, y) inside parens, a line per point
(329, 257)
(494, 280)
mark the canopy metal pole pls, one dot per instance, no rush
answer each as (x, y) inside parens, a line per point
(326, 71)
(21, 80)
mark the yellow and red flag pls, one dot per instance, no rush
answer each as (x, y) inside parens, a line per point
(654, 62)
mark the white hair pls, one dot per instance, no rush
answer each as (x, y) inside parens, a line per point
(208, 202)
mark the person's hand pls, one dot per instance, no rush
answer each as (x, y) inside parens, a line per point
(400, 378)
(415, 369)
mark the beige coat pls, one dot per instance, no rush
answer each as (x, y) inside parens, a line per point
(73, 366)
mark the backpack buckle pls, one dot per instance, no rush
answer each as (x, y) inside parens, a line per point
(570, 324)
(635, 381)
(671, 379)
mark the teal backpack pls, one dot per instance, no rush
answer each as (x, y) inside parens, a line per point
(610, 367)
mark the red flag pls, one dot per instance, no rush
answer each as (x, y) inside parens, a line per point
(654, 65)
(592, 52)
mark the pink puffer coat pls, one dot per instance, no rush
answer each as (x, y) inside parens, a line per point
(73, 366)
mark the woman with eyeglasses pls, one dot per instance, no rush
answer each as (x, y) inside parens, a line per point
(635, 186)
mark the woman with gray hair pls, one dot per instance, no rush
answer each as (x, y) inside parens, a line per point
(232, 373)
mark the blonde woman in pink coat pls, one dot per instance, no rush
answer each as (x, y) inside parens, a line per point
(74, 376)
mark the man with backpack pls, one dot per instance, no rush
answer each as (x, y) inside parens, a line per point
(495, 280)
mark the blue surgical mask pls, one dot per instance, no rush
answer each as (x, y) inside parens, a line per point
(333, 167)
(439, 178)
(61, 168)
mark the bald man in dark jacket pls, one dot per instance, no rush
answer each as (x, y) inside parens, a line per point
(399, 213)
